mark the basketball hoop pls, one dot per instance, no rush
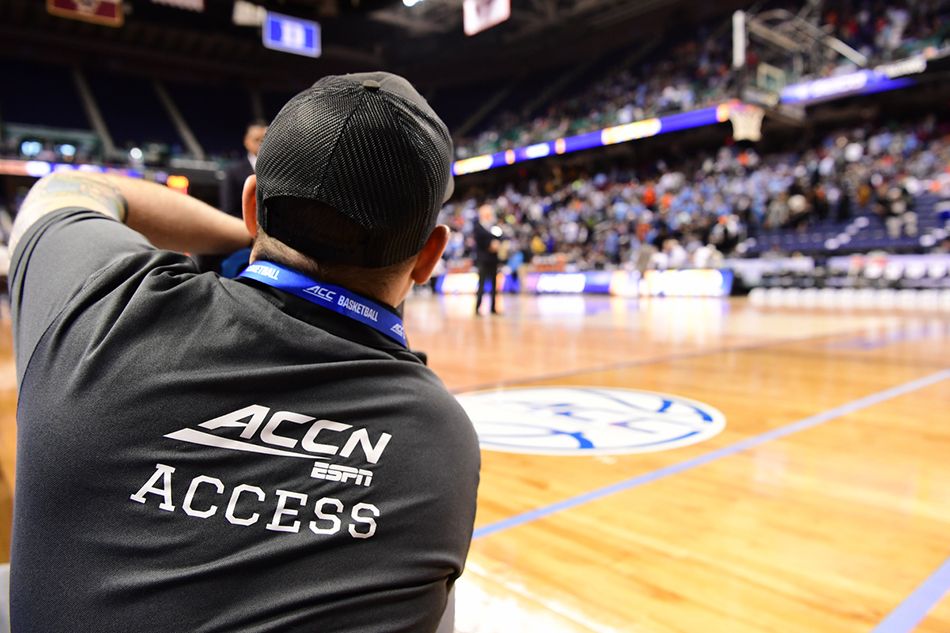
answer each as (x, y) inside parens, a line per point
(746, 122)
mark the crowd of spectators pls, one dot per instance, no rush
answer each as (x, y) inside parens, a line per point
(691, 214)
(690, 75)
(697, 73)
(888, 30)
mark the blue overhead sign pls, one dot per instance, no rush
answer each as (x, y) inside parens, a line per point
(292, 35)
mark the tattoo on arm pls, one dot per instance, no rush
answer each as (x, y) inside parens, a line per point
(60, 191)
(75, 190)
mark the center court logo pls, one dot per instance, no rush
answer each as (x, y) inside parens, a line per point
(588, 420)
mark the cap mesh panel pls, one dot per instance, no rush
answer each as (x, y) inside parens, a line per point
(379, 159)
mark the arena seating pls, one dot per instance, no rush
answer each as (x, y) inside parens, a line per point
(866, 232)
(688, 72)
(857, 190)
(669, 74)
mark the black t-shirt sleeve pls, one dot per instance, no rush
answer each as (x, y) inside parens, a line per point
(56, 257)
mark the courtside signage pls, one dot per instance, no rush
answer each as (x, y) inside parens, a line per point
(588, 420)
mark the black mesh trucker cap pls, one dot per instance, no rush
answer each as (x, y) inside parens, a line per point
(372, 155)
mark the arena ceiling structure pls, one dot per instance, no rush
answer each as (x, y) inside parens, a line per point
(425, 42)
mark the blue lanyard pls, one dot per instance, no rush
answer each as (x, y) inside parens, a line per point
(331, 297)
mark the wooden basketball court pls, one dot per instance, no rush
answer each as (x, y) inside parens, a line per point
(824, 504)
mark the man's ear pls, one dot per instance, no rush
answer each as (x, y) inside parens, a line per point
(430, 254)
(249, 204)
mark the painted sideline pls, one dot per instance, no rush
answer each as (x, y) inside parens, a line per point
(726, 451)
(917, 605)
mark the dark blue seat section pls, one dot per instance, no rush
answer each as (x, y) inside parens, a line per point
(38, 94)
(871, 237)
(132, 110)
(217, 115)
(274, 101)
(455, 104)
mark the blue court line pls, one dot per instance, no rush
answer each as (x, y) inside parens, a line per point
(726, 451)
(917, 605)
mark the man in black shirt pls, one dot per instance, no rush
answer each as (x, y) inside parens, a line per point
(487, 245)
(251, 455)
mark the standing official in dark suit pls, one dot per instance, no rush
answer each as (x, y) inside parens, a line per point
(487, 245)
(237, 173)
(229, 197)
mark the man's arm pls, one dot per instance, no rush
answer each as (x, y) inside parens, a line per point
(63, 236)
(166, 218)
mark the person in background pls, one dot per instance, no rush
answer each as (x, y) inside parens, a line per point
(236, 173)
(229, 198)
(487, 247)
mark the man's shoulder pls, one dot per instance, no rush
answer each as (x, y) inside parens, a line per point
(414, 390)
(138, 285)
(444, 412)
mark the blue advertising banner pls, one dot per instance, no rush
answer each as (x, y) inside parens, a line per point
(621, 283)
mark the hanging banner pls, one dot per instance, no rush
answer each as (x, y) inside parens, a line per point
(479, 15)
(105, 12)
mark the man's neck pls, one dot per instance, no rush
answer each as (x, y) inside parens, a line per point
(391, 296)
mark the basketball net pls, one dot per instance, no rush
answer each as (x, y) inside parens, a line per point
(746, 122)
